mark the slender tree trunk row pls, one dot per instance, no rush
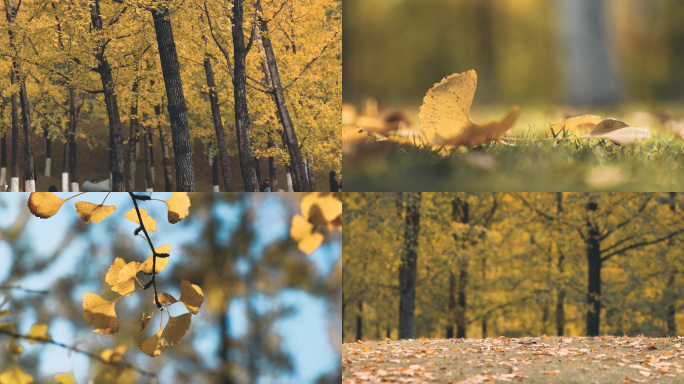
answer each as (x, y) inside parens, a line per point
(407, 268)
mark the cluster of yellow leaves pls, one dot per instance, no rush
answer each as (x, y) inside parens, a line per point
(47, 204)
(320, 211)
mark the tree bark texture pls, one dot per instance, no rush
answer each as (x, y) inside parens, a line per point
(272, 175)
(300, 182)
(166, 160)
(218, 126)
(560, 268)
(359, 321)
(407, 268)
(133, 138)
(594, 289)
(15, 137)
(48, 150)
(116, 155)
(178, 112)
(74, 111)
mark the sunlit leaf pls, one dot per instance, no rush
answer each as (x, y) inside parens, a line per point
(145, 320)
(178, 206)
(117, 280)
(325, 209)
(100, 313)
(95, 213)
(619, 132)
(44, 204)
(192, 296)
(175, 329)
(114, 355)
(578, 124)
(38, 332)
(150, 223)
(301, 233)
(161, 262)
(65, 378)
(15, 376)
(151, 346)
(445, 114)
(166, 298)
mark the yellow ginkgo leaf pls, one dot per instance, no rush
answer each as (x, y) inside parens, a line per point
(578, 124)
(178, 204)
(192, 296)
(145, 320)
(161, 262)
(445, 114)
(166, 298)
(150, 223)
(114, 355)
(310, 243)
(307, 202)
(325, 209)
(95, 213)
(618, 132)
(300, 231)
(15, 376)
(126, 277)
(44, 204)
(121, 286)
(175, 329)
(100, 313)
(38, 332)
(65, 378)
(151, 346)
(15, 348)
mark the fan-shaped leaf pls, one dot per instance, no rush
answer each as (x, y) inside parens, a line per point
(150, 223)
(151, 346)
(100, 313)
(161, 262)
(192, 296)
(38, 332)
(175, 329)
(301, 232)
(120, 282)
(178, 204)
(95, 213)
(44, 204)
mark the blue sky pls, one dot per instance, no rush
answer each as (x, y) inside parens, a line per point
(305, 334)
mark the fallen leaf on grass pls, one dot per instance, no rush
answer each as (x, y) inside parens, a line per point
(578, 124)
(445, 114)
(618, 132)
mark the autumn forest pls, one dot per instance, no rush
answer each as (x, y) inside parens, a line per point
(225, 95)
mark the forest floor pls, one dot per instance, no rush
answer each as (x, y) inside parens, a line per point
(93, 163)
(527, 163)
(606, 359)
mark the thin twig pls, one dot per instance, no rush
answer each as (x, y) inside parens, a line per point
(80, 351)
(153, 282)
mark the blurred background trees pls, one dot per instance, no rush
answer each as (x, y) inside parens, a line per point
(525, 51)
(491, 264)
(271, 313)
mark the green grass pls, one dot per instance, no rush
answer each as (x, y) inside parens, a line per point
(530, 360)
(656, 164)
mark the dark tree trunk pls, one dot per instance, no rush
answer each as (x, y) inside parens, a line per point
(74, 111)
(48, 150)
(560, 292)
(29, 167)
(300, 182)
(247, 165)
(359, 321)
(670, 296)
(151, 142)
(257, 167)
(218, 126)
(133, 137)
(166, 161)
(3, 160)
(65, 167)
(461, 322)
(14, 183)
(178, 113)
(483, 321)
(214, 174)
(116, 155)
(451, 305)
(149, 184)
(407, 268)
(272, 175)
(595, 264)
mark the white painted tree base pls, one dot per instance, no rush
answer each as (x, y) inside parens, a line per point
(65, 181)
(14, 184)
(3, 177)
(30, 185)
(215, 188)
(48, 166)
(149, 189)
(290, 188)
(74, 187)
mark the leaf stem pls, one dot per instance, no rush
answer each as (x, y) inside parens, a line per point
(135, 197)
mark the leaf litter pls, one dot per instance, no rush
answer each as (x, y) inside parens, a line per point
(530, 359)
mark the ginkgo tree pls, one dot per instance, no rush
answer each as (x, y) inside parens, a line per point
(123, 277)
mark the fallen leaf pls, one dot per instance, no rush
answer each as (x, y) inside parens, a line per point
(578, 124)
(618, 132)
(445, 114)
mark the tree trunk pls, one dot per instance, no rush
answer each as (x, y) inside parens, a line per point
(407, 268)
(149, 184)
(272, 175)
(594, 291)
(288, 176)
(74, 111)
(451, 306)
(65, 167)
(178, 113)
(359, 322)
(14, 181)
(257, 167)
(310, 172)
(116, 155)
(560, 292)
(214, 174)
(590, 78)
(461, 319)
(3, 161)
(300, 182)
(166, 161)
(133, 137)
(151, 142)
(218, 127)
(29, 168)
(48, 150)
(247, 166)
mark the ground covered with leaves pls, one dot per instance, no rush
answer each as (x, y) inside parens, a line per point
(606, 359)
